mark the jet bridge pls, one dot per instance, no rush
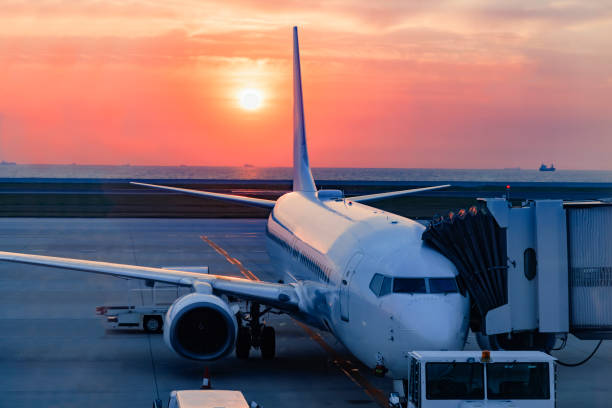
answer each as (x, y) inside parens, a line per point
(534, 271)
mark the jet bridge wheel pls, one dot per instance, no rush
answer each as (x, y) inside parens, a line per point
(517, 341)
(268, 343)
(243, 343)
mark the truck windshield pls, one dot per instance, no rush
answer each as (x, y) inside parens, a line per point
(518, 381)
(454, 381)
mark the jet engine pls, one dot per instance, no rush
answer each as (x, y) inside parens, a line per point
(200, 327)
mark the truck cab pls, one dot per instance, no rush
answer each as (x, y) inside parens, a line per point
(481, 379)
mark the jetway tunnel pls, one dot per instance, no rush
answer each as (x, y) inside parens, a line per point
(534, 271)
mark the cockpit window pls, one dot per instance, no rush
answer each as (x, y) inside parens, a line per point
(409, 285)
(385, 289)
(376, 283)
(380, 285)
(442, 285)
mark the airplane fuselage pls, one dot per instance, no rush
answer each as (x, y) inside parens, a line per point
(334, 248)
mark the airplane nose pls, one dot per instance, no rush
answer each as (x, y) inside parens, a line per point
(437, 323)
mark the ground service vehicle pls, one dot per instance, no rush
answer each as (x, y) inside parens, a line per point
(207, 399)
(147, 318)
(479, 379)
(145, 309)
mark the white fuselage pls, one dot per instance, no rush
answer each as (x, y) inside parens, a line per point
(340, 245)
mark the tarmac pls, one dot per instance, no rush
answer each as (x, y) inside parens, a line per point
(55, 352)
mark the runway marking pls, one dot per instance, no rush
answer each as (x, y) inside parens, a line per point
(244, 271)
(347, 368)
(344, 365)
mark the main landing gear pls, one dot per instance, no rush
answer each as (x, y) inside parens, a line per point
(253, 334)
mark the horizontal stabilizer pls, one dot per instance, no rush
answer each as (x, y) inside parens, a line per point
(393, 194)
(254, 202)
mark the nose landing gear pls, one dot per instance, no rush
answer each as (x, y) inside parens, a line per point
(253, 334)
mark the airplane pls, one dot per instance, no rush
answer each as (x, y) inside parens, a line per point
(362, 274)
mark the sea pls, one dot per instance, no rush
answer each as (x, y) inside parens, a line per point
(247, 172)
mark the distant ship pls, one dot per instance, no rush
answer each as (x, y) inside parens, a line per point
(543, 167)
(5, 163)
(248, 165)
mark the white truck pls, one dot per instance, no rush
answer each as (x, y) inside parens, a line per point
(147, 318)
(480, 379)
(207, 399)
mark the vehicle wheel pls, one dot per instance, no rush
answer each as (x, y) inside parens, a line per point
(268, 343)
(243, 343)
(152, 324)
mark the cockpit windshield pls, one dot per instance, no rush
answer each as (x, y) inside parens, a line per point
(442, 285)
(409, 285)
(382, 285)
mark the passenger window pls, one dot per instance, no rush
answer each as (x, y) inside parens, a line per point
(442, 285)
(376, 283)
(530, 263)
(409, 285)
(385, 289)
(414, 384)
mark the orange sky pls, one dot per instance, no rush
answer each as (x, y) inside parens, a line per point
(465, 84)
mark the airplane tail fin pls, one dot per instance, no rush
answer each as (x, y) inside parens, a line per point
(302, 176)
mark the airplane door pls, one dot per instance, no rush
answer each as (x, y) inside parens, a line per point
(349, 271)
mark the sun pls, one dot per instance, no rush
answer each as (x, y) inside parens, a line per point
(250, 99)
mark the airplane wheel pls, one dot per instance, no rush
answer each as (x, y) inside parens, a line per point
(486, 342)
(152, 324)
(243, 343)
(268, 343)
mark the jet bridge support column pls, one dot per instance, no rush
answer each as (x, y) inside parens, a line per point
(537, 268)
(552, 267)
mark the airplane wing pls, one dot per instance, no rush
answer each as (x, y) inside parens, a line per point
(281, 296)
(381, 196)
(255, 202)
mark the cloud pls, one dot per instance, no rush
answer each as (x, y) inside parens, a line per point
(553, 12)
(106, 8)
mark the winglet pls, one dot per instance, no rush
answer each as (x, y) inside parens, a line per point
(302, 176)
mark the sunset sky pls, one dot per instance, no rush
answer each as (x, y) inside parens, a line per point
(454, 84)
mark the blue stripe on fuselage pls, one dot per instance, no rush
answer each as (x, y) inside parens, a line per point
(322, 272)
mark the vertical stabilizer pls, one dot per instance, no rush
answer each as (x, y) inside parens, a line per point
(302, 176)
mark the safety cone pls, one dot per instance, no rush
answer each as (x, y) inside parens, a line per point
(206, 385)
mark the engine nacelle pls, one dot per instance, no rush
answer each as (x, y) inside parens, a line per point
(200, 327)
